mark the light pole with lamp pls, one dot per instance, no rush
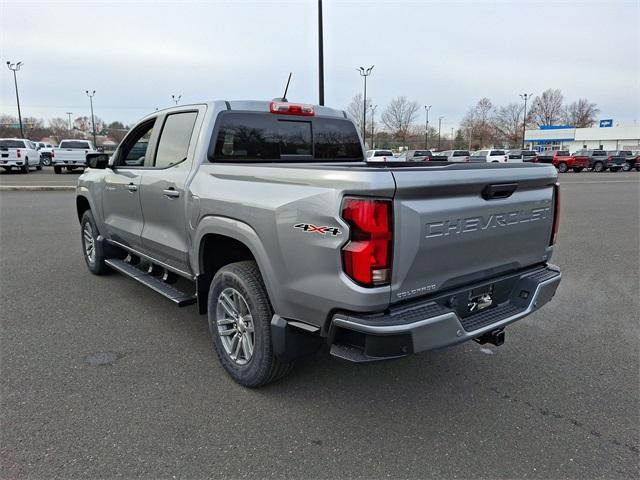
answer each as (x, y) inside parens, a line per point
(93, 123)
(426, 127)
(15, 67)
(364, 72)
(524, 96)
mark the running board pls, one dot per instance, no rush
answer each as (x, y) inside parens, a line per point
(176, 296)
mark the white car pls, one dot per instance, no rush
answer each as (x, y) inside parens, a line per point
(19, 153)
(380, 156)
(71, 154)
(456, 155)
(490, 156)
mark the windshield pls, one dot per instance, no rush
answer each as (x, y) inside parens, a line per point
(267, 137)
(12, 143)
(497, 152)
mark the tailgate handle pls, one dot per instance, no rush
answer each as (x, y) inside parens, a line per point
(499, 190)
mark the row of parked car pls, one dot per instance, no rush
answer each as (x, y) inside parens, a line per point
(26, 155)
(563, 160)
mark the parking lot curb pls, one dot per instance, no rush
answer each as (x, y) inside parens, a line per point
(36, 188)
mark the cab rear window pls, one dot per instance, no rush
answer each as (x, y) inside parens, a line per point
(461, 153)
(259, 137)
(74, 144)
(12, 143)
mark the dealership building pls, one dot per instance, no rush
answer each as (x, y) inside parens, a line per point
(564, 137)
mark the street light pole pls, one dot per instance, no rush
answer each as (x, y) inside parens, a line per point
(373, 112)
(524, 96)
(426, 127)
(320, 56)
(365, 72)
(69, 115)
(15, 67)
(176, 99)
(93, 123)
(452, 147)
(439, 130)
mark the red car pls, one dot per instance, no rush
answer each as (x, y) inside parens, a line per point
(563, 161)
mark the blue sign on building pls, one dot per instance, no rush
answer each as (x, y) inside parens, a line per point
(606, 123)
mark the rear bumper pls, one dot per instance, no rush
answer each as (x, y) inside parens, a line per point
(68, 163)
(11, 163)
(431, 324)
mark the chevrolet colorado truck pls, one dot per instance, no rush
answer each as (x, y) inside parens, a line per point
(267, 216)
(71, 154)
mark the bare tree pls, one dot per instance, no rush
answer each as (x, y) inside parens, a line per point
(547, 108)
(399, 116)
(355, 109)
(479, 123)
(508, 123)
(581, 114)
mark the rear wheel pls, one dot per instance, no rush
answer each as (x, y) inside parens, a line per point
(563, 167)
(91, 248)
(57, 169)
(46, 160)
(39, 166)
(598, 167)
(240, 325)
(578, 169)
(25, 167)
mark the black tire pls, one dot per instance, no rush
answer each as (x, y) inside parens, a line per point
(627, 167)
(46, 160)
(25, 167)
(96, 264)
(563, 167)
(263, 366)
(598, 167)
(578, 169)
(6, 169)
(614, 169)
(69, 169)
(39, 166)
(57, 169)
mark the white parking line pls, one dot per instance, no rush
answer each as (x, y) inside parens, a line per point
(601, 181)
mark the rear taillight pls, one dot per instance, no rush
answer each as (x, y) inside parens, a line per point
(506, 159)
(18, 153)
(285, 108)
(53, 153)
(367, 257)
(467, 159)
(556, 214)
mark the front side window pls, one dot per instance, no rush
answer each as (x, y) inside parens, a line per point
(134, 147)
(175, 138)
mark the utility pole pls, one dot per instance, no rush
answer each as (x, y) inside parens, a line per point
(439, 130)
(365, 72)
(69, 115)
(320, 56)
(524, 96)
(426, 127)
(452, 147)
(93, 123)
(373, 112)
(176, 99)
(15, 67)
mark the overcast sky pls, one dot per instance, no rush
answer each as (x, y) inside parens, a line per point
(448, 54)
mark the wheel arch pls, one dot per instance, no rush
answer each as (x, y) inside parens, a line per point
(82, 205)
(220, 241)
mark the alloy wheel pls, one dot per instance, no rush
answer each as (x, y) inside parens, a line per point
(235, 326)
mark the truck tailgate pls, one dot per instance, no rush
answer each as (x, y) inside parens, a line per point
(456, 225)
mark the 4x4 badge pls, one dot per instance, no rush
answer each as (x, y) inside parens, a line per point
(310, 228)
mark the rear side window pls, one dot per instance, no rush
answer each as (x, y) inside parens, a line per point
(268, 137)
(174, 139)
(12, 143)
(74, 144)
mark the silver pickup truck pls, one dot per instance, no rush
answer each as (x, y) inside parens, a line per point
(266, 215)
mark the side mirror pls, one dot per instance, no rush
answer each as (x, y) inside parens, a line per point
(98, 160)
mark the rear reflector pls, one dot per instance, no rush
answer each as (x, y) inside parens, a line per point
(367, 256)
(556, 214)
(285, 108)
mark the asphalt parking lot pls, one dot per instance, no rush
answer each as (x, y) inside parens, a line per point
(36, 178)
(560, 399)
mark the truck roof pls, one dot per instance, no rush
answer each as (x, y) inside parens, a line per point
(259, 106)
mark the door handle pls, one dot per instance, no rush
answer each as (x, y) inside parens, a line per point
(132, 188)
(171, 192)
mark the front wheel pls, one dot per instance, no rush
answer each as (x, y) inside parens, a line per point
(91, 248)
(240, 325)
(39, 166)
(46, 160)
(598, 167)
(578, 169)
(562, 167)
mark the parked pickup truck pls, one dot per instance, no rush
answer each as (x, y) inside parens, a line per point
(19, 153)
(563, 160)
(632, 162)
(71, 154)
(287, 238)
(422, 156)
(620, 160)
(596, 160)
